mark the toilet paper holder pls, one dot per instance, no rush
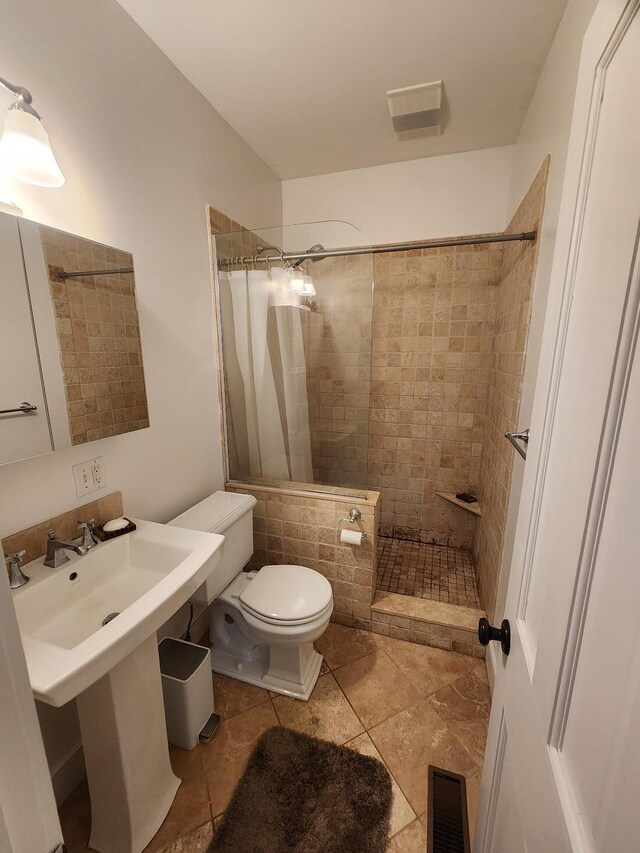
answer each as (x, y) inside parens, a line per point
(354, 515)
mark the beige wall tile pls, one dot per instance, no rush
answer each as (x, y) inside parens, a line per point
(504, 389)
(349, 569)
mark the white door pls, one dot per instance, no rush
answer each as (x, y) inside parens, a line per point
(28, 817)
(21, 435)
(562, 770)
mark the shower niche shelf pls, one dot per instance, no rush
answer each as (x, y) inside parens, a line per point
(474, 508)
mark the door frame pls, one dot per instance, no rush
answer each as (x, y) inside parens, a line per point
(606, 28)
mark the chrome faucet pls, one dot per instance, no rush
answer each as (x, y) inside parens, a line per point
(56, 548)
(16, 576)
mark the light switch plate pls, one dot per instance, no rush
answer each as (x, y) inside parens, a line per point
(89, 476)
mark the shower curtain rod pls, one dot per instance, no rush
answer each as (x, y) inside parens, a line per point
(382, 248)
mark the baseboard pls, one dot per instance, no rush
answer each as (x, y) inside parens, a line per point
(67, 778)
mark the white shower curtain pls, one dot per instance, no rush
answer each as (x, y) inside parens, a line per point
(266, 374)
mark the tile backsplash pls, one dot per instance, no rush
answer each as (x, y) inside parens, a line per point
(34, 539)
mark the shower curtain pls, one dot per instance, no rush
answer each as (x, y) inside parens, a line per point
(265, 374)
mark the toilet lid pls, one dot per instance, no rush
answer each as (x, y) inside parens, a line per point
(293, 594)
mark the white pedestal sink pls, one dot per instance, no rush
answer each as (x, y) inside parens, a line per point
(113, 670)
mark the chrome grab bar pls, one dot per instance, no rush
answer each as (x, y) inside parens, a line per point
(23, 407)
(515, 437)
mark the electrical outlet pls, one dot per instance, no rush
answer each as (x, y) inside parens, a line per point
(89, 476)
(97, 473)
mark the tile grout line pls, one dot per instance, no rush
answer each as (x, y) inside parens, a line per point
(402, 711)
(367, 730)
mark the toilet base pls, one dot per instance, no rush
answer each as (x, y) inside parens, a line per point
(289, 670)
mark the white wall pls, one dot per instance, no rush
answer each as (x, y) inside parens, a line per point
(444, 196)
(545, 130)
(143, 153)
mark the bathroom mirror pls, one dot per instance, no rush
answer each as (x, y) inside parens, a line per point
(70, 354)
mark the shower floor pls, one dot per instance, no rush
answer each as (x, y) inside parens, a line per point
(436, 572)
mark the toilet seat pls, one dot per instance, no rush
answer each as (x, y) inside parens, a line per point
(266, 620)
(287, 595)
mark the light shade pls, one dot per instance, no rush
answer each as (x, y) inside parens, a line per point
(296, 282)
(25, 152)
(309, 289)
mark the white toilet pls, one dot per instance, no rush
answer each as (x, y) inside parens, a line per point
(263, 624)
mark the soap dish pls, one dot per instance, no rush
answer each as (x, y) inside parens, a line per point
(103, 536)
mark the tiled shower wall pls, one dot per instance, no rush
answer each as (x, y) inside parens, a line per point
(512, 326)
(433, 330)
(339, 369)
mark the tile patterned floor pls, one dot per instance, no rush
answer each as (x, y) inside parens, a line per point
(406, 704)
(427, 571)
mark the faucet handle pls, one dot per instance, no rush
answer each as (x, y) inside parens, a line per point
(51, 534)
(15, 559)
(88, 539)
(16, 576)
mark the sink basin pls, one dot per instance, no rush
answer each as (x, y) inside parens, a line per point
(144, 577)
(89, 632)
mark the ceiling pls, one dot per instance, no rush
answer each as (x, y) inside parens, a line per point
(304, 81)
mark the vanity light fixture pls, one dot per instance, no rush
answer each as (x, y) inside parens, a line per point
(25, 151)
(6, 205)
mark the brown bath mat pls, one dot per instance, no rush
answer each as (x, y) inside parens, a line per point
(299, 794)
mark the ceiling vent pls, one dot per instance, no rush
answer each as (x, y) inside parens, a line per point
(416, 111)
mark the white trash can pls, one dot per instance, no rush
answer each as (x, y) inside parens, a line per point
(188, 692)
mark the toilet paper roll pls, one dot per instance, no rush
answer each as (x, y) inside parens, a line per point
(351, 537)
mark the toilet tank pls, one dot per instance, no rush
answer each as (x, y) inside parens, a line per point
(231, 515)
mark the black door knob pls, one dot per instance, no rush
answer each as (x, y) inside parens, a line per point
(487, 632)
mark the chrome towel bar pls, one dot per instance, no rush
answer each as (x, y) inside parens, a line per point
(515, 437)
(81, 273)
(23, 407)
